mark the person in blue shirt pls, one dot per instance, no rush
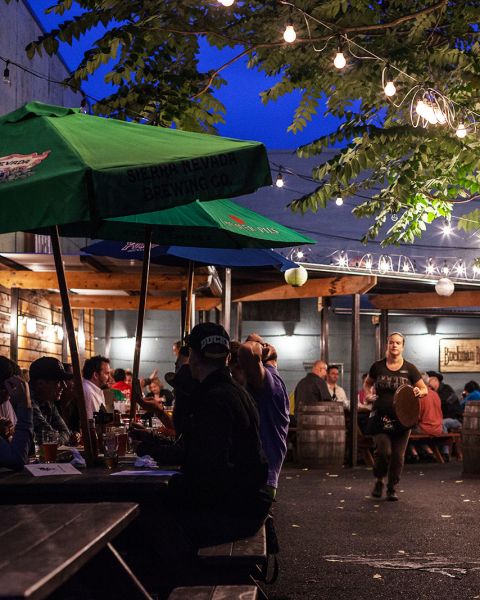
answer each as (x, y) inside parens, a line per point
(471, 391)
(14, 448)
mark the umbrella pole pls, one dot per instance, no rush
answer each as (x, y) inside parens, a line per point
(136, 389)
(188, 310)
(72, 342)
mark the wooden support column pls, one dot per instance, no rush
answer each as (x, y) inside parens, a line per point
(108, 332)
(81, 335)
(383, 332)
(238, 321)
(183, 314)
(325, 315)
(227, 299)
(354, 366)
(14, 297)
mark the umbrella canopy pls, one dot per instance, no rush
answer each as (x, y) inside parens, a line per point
(58, 166)
(214, 224)
(175, 255)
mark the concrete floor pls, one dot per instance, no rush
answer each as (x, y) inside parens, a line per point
(339, 543)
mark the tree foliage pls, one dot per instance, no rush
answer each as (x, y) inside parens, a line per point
(415, 174)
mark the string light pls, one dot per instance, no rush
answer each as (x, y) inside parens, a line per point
(447, 227)
(430, 268)
(461, 131)
(279, 182)
(289, 35)
(339, 201)
(226, 2)
(339, 61)
(6, 74)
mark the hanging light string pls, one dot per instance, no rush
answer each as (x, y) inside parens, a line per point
(135, 116)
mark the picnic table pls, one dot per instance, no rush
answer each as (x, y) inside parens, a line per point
(95, 484)
(42, 547)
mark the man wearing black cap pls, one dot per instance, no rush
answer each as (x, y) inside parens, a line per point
(217, 497)
(47, 381)
(451, 408)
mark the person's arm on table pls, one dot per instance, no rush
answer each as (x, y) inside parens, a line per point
(14, 454)
(162, 449)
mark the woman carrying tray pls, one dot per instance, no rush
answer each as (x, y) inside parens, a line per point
(391, 428)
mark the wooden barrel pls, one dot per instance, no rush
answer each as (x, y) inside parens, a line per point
(321, 434)
(471, 437)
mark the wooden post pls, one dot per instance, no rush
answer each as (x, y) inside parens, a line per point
(383, 332)
(325, 314)
(190, 300)
(227, 299)
(14, 297)
(183, 314)
(108, 332)
(136, 389)
(81, 335)
(77, 375)
(238, 321)
(354, 364)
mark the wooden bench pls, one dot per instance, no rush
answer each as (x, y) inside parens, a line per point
(238, 562)
(366, 445)
(215, 592)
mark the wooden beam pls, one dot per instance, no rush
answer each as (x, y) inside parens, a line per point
(425, 300)
(131, 302)
(85, 280)
(313, 288)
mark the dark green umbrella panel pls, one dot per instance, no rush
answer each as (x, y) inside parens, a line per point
(214, 224)
(58, 166)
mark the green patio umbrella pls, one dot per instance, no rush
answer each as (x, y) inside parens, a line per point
(60, 166)
(214, 224)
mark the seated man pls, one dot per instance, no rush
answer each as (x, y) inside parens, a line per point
(47, 381)
(16, 441)
(218, 495)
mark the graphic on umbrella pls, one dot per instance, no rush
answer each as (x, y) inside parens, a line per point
(59, 166)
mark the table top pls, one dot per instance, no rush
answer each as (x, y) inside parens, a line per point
(41, 547)
(95, 484)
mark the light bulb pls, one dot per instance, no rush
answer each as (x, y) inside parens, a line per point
(439, 115)
(430, 267)
(226, 2)
(461, 131)
(339, 61)
(279, 181)
(6, 75)
(289, 34)
(31, 325)
(444, 287)
(339, 201)
(421, 109)
(406, 267)
(300, 254)
(389, 88)
(447, 228)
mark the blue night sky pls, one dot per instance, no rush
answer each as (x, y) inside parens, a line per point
(246, 116)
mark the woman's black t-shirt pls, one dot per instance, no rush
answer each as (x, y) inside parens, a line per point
(387, 382)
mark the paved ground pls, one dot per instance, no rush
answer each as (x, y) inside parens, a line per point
(337, 542)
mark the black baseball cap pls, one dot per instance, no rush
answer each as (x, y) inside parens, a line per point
(436, 374)
(210, 340)
(49, 368)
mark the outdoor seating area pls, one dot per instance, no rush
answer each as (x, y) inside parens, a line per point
(239, 300)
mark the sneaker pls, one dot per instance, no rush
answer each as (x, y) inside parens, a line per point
(377, 489)
(392, 496)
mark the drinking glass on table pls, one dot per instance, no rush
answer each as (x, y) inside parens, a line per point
(122, 437)
(110, 449)
(49, 446)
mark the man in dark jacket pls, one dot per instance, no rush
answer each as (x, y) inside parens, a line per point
(313, 387)
(218, 496)
(451, 408)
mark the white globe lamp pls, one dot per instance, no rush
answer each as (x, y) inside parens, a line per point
(444, 287)
(296, 277)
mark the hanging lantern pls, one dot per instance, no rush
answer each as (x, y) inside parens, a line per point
(444, 287)
(296, 277)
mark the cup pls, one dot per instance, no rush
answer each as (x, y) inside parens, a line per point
(122, 437)
(110, 449)
(49, 447)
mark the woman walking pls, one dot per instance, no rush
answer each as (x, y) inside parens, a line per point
(390, 436)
